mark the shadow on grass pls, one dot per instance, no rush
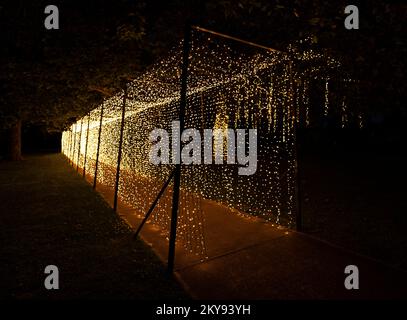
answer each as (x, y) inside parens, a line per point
(50, 215)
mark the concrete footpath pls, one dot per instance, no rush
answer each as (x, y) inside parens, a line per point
(248, 258)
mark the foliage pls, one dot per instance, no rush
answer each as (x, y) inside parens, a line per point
(46, 76)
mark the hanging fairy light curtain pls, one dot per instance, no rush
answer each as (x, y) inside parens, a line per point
(229, 87)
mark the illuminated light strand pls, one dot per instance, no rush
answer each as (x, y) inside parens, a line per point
(226, 89)
(326, 107)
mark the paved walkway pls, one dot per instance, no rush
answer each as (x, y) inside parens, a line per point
(251, 259)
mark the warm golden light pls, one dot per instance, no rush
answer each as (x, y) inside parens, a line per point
(227, 88)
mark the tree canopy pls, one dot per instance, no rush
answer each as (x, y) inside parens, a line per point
(51, 77)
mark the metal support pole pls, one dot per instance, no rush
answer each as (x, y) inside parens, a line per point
(98, 147)
(79, 146)
(119, 156)
(74, 144)
(154, 204)
(86, 146)
(297, 188)
(68, 152)
(252, 44)
(177, 176)
(298, 217)
(298, 213)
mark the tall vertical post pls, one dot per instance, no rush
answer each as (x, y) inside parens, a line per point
(177, 175)
(98, 147)
(86, 146)
(63, 142)
(79, 146)
(298, 211)
(119, 156)
(68, 152)
(298, 216)
(74, 143)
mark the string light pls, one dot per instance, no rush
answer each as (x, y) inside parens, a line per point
(227, 88)
(326, 108)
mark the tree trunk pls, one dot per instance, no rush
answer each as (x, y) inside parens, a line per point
(14, 153)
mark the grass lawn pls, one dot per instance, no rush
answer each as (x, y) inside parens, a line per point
(50, 215)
